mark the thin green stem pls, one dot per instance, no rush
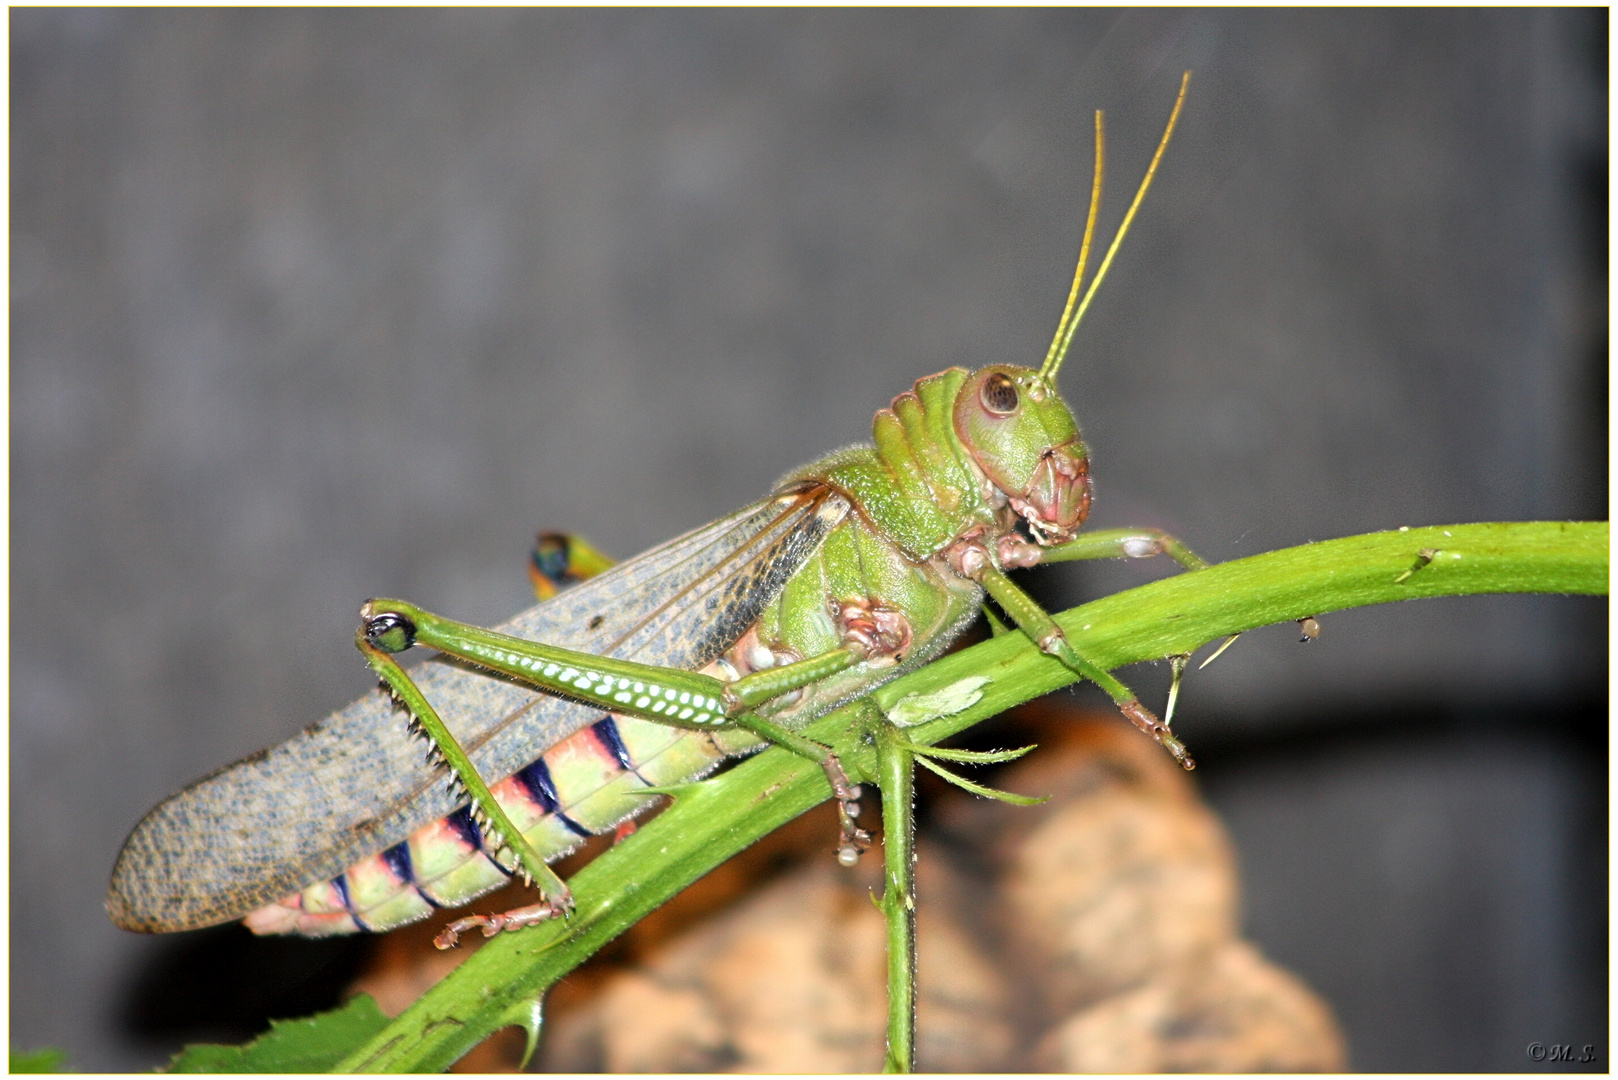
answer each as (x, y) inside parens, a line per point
(896, 775)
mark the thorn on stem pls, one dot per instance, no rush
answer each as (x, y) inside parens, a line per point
(1177, 666)
(1217, 653)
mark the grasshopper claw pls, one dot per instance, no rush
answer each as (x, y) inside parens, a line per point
(851, 844)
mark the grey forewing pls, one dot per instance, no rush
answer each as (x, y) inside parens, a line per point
(355, 783)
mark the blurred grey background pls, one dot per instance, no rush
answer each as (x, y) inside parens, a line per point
(309, 306)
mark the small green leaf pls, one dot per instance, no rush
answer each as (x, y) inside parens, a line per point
(978, 789)
(48, 1060)
(997, 625)
(971, 757)
(957, 697)
(673, 791)
(312, 1044)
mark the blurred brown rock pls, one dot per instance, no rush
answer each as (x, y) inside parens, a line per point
(1124, 873)
(790, 980)
(1232, 1011)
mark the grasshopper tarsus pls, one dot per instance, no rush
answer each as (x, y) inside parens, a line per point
(1142, 718)
(852, 840)
(841, 786)
(515, 919)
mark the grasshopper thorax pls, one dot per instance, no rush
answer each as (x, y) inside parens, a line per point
(1022, 436)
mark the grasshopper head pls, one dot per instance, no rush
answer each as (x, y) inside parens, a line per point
(1022, 435)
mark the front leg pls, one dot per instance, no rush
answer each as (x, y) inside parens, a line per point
(971, 559)
(1103, 544)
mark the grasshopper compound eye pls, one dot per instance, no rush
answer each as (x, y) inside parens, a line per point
(999, 394)
(390, 633)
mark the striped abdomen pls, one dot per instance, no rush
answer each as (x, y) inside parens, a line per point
(585, 784)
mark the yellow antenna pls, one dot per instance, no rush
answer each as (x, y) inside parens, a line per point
(1052, 356)
(1070, 317)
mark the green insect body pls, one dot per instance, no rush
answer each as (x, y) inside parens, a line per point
(860, 567)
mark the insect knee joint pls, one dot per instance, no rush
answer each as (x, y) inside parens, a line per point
(1142, 547)
(389, 632)
(968, 557)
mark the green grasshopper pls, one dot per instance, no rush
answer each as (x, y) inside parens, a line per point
(858, 568)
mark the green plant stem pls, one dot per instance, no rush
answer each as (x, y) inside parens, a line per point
(717, 818)
(896, 775)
